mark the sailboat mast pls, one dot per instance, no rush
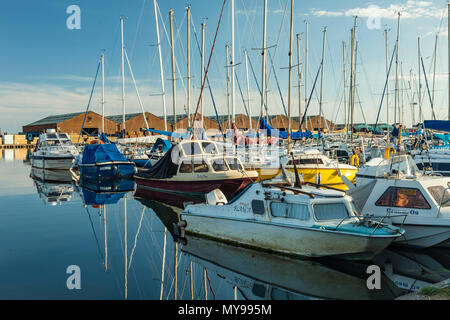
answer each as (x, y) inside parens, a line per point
(103, 92)
(123, 79)
(248, 91)
(420, 83)
(174, 99)
(188, 53)
(397, 97)
(203, 67)
(306, 67)
(299, 80)
(263, 69)
(387, 84)
(290, 76)
(434, 66)
(233, 100)
(228, 84)
(351, 97)
(345, 79)
(321, 78)
(160, 66)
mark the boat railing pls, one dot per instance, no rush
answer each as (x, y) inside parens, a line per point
(381, 222)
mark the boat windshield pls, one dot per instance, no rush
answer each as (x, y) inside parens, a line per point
(441, 195)
(330, 211)
(234, 164)
(402, 164)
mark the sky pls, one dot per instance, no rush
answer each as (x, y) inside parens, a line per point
(47, 68)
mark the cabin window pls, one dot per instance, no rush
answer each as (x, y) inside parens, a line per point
(330, 211)
(441, 195)
(219, 165)
(234, 164)
(403, 197)
(258, 207)
(191, 148)
(305, 161)
(290, 210)
(201, 167)
(186, 167)
(209, 148)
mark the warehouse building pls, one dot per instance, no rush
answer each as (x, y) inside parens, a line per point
(72, 122)
(134, 122)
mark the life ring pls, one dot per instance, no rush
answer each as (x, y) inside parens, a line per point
(389, 152)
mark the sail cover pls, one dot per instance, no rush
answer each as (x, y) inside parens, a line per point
(164, 168)
(283, 134)
(441, 125)
(99, 153)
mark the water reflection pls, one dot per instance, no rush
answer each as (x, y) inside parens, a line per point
(127, 246)
(54, 187)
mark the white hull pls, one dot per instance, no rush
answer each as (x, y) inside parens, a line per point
(284, 239)
(52, 163)
(422, 236)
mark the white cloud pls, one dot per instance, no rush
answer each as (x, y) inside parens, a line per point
(409, 10)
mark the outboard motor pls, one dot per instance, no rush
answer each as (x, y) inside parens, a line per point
(216, 197)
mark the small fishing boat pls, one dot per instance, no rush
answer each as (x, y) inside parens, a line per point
(193, 168)
(307, 221)
(54, 150)
(394, 190)
(104, 161)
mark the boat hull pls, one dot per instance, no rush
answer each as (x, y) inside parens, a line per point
(305, 242)
(55, 163)
(193, 189)
(109, 170)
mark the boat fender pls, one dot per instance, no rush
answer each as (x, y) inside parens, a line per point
(182, 224)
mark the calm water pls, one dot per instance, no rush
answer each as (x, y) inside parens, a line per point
(124, 249)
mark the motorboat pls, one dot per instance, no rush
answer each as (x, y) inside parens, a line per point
(395, 191)
(103, 161)
(193, 168)
(306, 221)
(54, 150)
(314, 167)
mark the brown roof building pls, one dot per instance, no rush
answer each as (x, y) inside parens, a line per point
(72, 122)
(134, 122)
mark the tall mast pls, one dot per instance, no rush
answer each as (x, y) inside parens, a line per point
(420, 83)
(306, 68)
(233, 106)
(299, 80)
(174, 99)
(321, 78)
(290, 76)
(248, 91)
(434, 67)
(123, 79)
(263, 69)
(412, 96)
(448, 54)
(397, 97)
(103, 93)
(203, 68)
(345, 79)
(351, 96)
(188, 13)
(228, 84)
(387, 84)
(160, 66)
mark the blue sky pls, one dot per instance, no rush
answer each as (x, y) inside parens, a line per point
(48, 69)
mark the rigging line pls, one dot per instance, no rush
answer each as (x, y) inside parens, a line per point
(209, 62)
(310, 96)
(278, 85)
(89, 102)
(209, 85)
(95, 235)
(139, 24)
(360, 106)
(135, 238)
(428, 89)
(242, 95)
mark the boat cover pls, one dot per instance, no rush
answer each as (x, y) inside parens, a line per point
(164, 168)
(92, 198)
(166, 145)
(295, 135)
(442, 125)
(98, 153)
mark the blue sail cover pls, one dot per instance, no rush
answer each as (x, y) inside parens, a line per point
(166, 145)
(263, 125)
(98, 153)
(104, 138)
(92, 198)
(441, 125)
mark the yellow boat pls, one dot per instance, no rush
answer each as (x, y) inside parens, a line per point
(314, 167)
